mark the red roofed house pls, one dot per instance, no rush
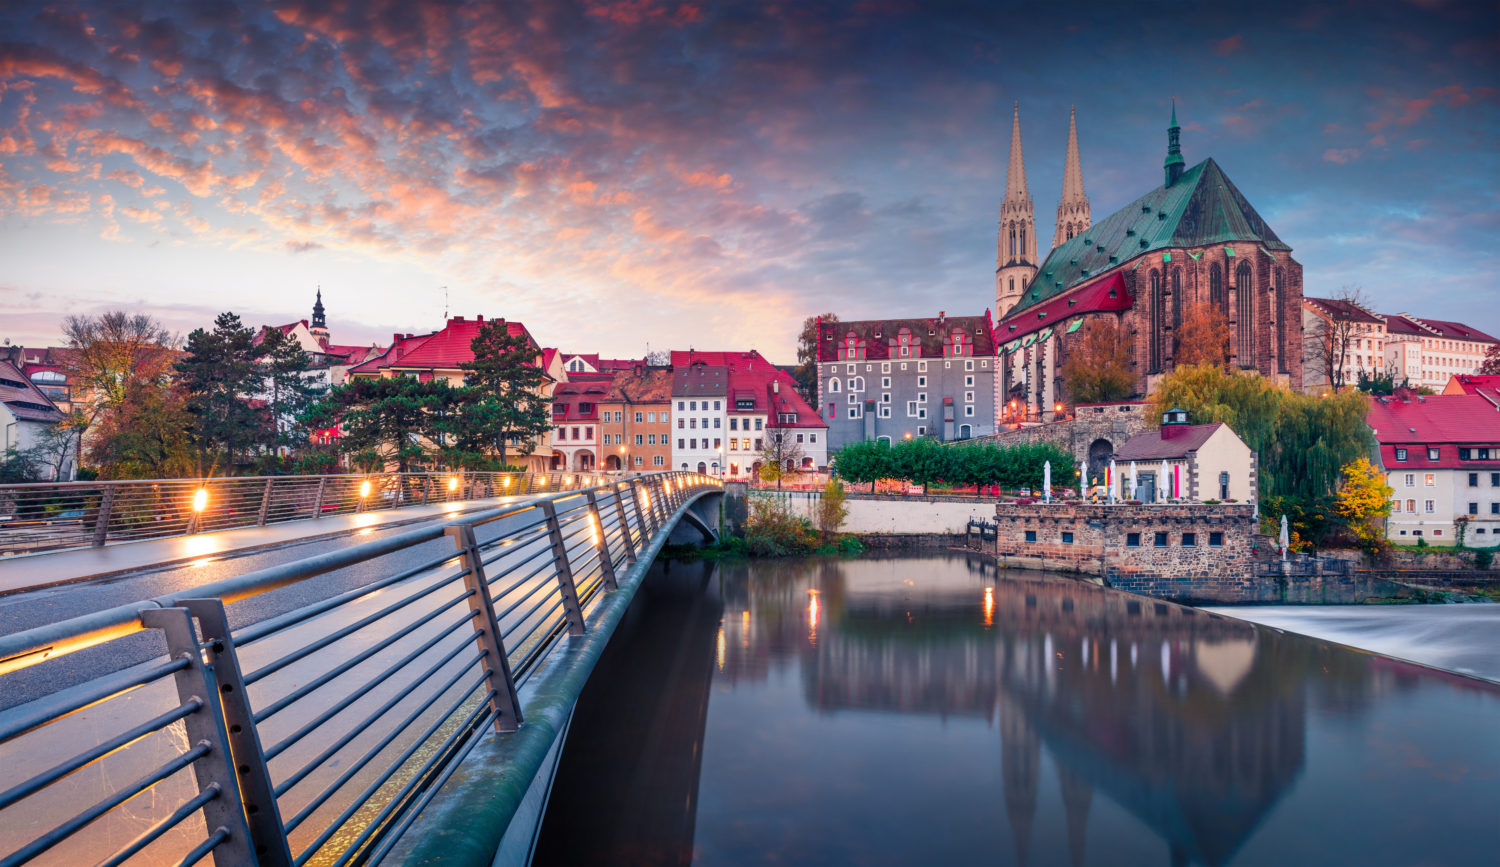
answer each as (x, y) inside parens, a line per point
(1428, 351)
(438, 355)
(575, 425)
(589, 366)
(1441, 454)
(1487, 386)
(25, 415)
(1202, 462)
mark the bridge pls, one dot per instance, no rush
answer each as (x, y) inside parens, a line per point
(422, 707)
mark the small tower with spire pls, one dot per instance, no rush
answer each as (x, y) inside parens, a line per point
(319, 326)
(1173, 165)
(1073, 206)
(1015, 252)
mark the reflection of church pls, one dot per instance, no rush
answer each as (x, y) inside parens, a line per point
(1178, 716)
(1193, 241)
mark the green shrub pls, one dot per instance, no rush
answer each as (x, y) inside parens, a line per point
(773, 531)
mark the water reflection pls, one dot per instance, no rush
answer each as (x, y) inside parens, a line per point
(933, 710)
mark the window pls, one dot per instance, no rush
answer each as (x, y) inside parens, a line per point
(921, 397)
(1495, 480)
(718, 443)
(1160, 540)
(857, 384)
(921, 367)
(638, 440)
(1473, 508)
(1031, 535)
(885, 367)
(1432, 454)
(656, 461)
(681, 423)
(833, 386)
(716, 406)
(1223, 486)
(885, 411)
(638, 418)
(1189, 540)
(1400, 454)
(1132, 540)
(1216, 540)
(969, 411)
(1396, 506)
(1411, 506)
(757, 426)
(717, 422)
(1430, 506)
(1463, 454)
(799, 438)
(968, 397)
(969, 365)
(885, 398)
(921, 382)
(1473, 480)
(854, 412)
(812, 437)
(1067, 538)
(575, 434)
(922, 428)
(1495, 508)
(734, 442)
(1411, 480)
(853, 399)
(693, 405)
(968, 382)
(758, 445)
(693, 423)
(693, 443)
(1429, 479)
(681, 443)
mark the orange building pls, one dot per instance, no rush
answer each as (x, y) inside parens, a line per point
(635, 420)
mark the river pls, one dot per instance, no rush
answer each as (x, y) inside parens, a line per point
(934, 710)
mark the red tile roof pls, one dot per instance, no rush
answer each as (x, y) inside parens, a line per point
(1343, 309)
(929, 335)
(401, 344)
(1441, 421)
(449, 347)
(578, 401)
(22, 398)
(1108, 293)
(641, 385)
(1480, 384)
(1408, 324)
(1150, 446)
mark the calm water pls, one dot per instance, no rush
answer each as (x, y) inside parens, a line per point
(931, 711)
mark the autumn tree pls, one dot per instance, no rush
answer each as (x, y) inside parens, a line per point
(1097, 369)
(780, 457)
(806, 374)
(1330, 342)
(1364, 499)
(1202, 338)
(147, 438)
(504, 405)
(108, 356)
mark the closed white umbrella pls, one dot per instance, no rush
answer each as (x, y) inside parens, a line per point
(1161, 489)
(1083, 484)
(1113, 479)
(1134, 485)
(1285, 538)
(1047, 481)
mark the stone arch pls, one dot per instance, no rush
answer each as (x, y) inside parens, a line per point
(1100, 451)
(702, 468)
(612, 462)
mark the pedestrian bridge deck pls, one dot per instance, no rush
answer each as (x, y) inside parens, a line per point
(320, 736)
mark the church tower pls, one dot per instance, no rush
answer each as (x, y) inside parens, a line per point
(1015, 252)
(1073, 207)
(319, 327)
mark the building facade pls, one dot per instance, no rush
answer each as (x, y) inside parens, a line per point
(26, 416)
(1195, 240)
(1188, 463)
(894, 379)
(1441, 455)
(699, 392)
(576, 416)
(1340, 334)
(1429, 351)
(635, 423)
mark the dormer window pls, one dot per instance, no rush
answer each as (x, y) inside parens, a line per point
(903, 343)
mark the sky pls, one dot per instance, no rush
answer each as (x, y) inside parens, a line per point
(618, 175)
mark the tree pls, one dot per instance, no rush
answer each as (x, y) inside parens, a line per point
(780, 449)
(1097, 369)
(1203, 338)
(832, 509)
(382, 421)
(290, 388)
(147, 438)
(1363, 500)
(111, 353)
(1330, 340)
(54, 446)
(219, 375)
(1491, 364)
(18, 466)
(806, 374)
(504, 405)
(866, 461)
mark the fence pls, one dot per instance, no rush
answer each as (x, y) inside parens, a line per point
(316, 736)
(44, 517)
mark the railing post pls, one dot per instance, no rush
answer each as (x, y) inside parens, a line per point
(640, 514)
(106, 509)
(205, 726)
(503, 699)
(257, 793)
(265, 504)
(601, 542)
(318, 504)
(624, 521)
(564, 570)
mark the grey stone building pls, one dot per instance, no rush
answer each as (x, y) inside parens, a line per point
(897, 378)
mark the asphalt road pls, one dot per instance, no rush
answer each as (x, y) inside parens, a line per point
(21, 611)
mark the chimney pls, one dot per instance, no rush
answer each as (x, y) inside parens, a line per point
(479, 318)
(1174, 423)
(776, 386)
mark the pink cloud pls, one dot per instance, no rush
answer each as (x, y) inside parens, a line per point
(1341, 156)
(1226, 47)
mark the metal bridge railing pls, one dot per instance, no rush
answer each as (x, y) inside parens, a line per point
(316, 736)
(56, 515)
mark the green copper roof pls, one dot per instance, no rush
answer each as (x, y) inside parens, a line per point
(1203, 207)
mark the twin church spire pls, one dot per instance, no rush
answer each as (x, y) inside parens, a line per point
(1016, 257)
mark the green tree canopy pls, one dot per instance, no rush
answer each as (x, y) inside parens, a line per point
(383, 421)
(503, 406)
(219, 375)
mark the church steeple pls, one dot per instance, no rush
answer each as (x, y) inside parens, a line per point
(1073, 206)
(1174, 164)
(319, 321)
(1015, 250)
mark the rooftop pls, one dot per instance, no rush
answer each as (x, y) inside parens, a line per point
(1434, 419)
(23, 399)
(1150, 446)
(928, 334)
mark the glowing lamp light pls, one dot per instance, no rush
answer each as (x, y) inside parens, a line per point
(452, 483)
(507, 481)
(1057, 408)
(908, 436)
(200, 499)
(364, 488)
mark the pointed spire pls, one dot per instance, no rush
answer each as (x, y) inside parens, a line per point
(318, 318)
(1173, 164)
(1073, 206)
(1015, 177)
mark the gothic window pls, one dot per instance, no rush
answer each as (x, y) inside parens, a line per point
(833, 387)
(1157, 308)
(1012, 240)
(1278, 305)
(1012, 285)
(1021, 250)
(1070, 233)
(1176, 298)
(1244, 284)
(1216, 294)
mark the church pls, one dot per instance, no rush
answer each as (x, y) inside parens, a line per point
(1193, 240)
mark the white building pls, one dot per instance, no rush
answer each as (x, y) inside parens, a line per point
(1441, 454)
(1429, 351)
(26, 415)
(700, 391)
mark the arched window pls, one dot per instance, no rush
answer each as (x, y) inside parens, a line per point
(1216, 294)
(1070, 233)
(1156, 322)
(1012, 285)
(1012, 240)
(833, 386)
(1244, 285)
(1278, 302)
(1176, 298)
(1021, 250)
